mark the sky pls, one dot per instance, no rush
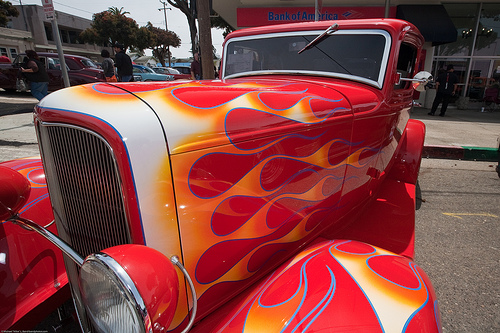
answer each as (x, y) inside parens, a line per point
(141, 11)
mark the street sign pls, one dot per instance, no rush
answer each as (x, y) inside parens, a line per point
(48, 9)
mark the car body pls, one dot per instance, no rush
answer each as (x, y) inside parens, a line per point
(182, 69)
(81, 70)
(171, 71)
(145, 73)
(278, 199)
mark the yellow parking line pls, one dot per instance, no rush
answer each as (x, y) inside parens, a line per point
(457, 215)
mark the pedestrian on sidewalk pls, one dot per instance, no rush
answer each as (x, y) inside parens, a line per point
(123, 64)
(446, 87)
(196, 67)
(34, 71)
(108, 66)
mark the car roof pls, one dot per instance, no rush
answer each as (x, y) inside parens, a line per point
(56, 55)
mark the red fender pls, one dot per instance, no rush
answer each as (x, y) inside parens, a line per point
(33, 280)
(335, 286)
(407, 160)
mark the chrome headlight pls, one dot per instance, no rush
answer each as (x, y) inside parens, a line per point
(111, 298)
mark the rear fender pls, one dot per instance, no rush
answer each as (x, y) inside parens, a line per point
(335, 286)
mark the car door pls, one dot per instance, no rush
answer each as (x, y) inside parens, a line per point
(53, 68)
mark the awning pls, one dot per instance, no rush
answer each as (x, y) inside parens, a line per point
(432, 21)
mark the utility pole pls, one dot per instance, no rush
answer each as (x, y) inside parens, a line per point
(166, 27)
(207, 59)
(387, 8)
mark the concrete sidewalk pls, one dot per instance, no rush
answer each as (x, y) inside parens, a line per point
(461, 134)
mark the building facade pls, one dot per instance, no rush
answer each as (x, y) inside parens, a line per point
(459, 32)
(31, 30)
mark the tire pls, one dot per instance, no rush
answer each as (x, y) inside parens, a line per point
(418, 196)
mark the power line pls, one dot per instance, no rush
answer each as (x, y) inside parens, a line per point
(58, 3)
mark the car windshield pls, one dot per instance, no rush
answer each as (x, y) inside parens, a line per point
(160, 70)
(358, 54)
(89, 63)
(148, 70)
(54, 63)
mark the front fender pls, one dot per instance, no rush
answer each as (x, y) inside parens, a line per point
(32, 274)
(407, 160)
(336, 286)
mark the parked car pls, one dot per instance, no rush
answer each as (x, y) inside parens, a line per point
(145, 73)
(80, 70)
(279, 199)
(171, 71)
(183, 69)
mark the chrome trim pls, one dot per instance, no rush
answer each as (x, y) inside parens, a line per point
(62, 245)
(86, 192)
(48, 225)
(175, 260)
(127, 284)
(383, 66)
(110, 225)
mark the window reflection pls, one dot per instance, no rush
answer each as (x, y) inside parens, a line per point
(488, 41)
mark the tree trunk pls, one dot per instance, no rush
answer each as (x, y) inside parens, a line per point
(207, 62)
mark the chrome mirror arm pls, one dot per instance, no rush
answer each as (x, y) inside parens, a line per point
(420, 80)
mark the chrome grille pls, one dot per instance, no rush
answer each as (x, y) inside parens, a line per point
(84, 187)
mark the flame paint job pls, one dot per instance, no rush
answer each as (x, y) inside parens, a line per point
(31, 269)
(335, 286)
(237, 176)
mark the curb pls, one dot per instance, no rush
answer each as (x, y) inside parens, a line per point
(466, 153)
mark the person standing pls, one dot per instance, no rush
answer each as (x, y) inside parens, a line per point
(108, 66)
(123, 64)
(36, 74)
(196, 67)
(446, 87)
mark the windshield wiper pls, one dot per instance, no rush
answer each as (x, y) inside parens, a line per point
(327, 33)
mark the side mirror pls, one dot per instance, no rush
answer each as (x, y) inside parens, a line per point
(419, 81)
(14, 192)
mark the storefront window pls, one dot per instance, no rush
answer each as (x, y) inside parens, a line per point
(496, 70)
(464, 18)
(478, 79)
(488, 34)
(459, 68)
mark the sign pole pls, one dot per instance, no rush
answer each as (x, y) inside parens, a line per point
(48, 8)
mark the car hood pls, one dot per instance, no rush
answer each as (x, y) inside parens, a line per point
(200, 114)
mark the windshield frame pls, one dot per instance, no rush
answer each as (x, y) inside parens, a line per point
(313, 34)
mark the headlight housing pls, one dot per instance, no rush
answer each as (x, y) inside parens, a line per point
(115, 296)
(112, 302)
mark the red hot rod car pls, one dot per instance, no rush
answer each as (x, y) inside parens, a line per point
(280, 198)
